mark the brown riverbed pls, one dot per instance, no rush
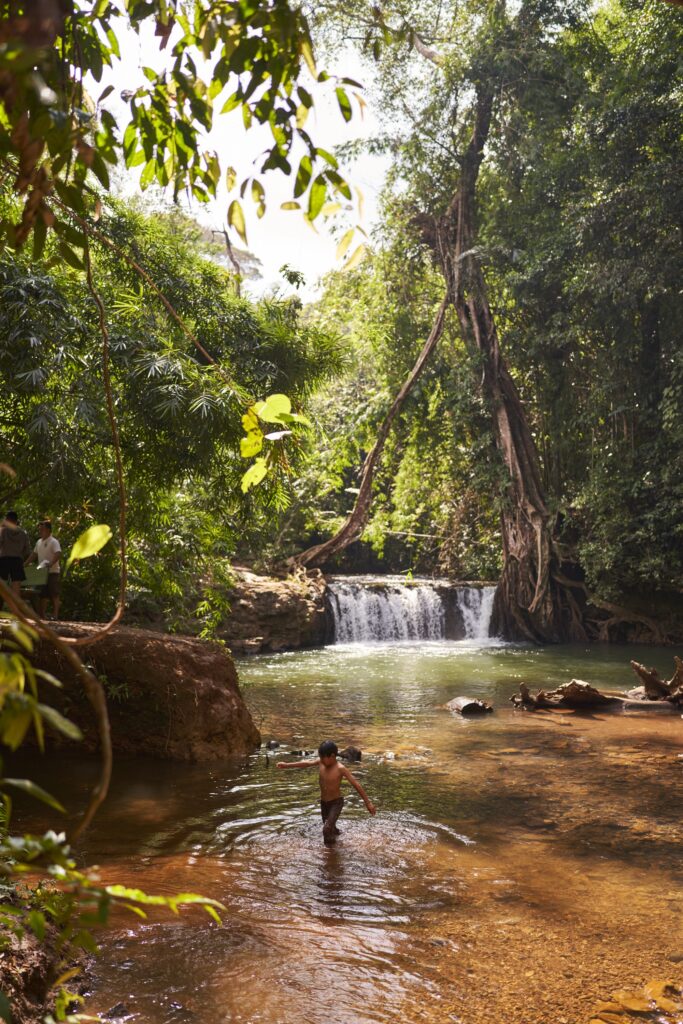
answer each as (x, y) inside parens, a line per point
(520, 867)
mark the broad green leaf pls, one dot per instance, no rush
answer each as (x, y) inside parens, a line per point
(290, 205)
(236, 219)
(15, 729)
(316, 197)
(36, 922)
(250, 420)
(59, 722)
(254, 475)
(307, 51)
(27, 786)
(251, 445)
(275, 406)
(5, 1009)
(90, 542)
(344, 103)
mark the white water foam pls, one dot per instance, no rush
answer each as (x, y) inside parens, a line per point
(476, 608)
(390, 610)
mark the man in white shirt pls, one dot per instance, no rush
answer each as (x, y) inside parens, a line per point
(47, 553)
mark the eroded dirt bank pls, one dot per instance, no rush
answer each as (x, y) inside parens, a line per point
(174, 697)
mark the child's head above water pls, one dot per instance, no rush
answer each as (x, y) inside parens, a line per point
(327, 749)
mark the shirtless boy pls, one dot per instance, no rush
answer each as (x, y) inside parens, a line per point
(331, 775)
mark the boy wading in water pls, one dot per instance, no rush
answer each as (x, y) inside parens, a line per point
(331, 775)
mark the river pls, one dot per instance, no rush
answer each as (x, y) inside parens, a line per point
(519, 868)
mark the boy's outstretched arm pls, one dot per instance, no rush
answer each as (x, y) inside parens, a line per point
(297, 764)
(359, 789)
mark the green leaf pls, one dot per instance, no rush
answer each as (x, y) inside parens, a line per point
(307, 51)
(250, 420)
(355, 258)
(90, 542)
(254, 475)
(275, 406)
(345, 243)
(59, 722)
(317, 197)
(14, 731)
(236, 219)
(70, 257)
(251, 445)
(36, 922)
(27, 786)
(303, 176)
(5, 1009)
(344, 103)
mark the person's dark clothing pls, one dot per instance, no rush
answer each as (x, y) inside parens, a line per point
(12, 568)
(14, 544)
(330, 811)
(14, 550)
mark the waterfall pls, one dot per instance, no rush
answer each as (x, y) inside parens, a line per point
(476, 608)
(387, 609)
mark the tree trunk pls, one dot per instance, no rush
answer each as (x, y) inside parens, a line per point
(530, 603)
(357, 520)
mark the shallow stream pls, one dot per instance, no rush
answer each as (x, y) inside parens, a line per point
(519, 866)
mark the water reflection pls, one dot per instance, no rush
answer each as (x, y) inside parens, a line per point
(515, 864)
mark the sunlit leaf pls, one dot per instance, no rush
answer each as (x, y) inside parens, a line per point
(254, 475)
(345, 243)
(90, 542)
(251, 445)
(356, 257)
(236, 219)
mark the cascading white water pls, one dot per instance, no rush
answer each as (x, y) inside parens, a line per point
(366, 611)
(392, 612)
(476, 608)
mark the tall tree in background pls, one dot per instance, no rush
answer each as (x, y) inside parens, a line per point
(469, 140)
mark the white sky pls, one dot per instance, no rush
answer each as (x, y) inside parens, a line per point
(280, 236)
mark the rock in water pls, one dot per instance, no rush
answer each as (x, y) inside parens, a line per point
(351, 754)
(469, 706)
(173, 697)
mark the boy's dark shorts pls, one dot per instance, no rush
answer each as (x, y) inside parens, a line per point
(12, 568)
(53, 587)
(330, 811)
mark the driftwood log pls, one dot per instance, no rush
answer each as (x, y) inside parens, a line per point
(575, 694)
(660, 689)
(469, 706)
(654, 695)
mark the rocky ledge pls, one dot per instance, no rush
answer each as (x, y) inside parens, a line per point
(173, 697)
(271, 614)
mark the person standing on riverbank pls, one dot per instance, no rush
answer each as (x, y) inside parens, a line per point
(47, 553)
(331, 776)
(15, 548)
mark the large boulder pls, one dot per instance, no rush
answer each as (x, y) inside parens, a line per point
(174, 697)
(271, 614)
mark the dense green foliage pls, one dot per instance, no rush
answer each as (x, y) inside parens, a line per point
(179, 417)
(579, 206)
(58, 143)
